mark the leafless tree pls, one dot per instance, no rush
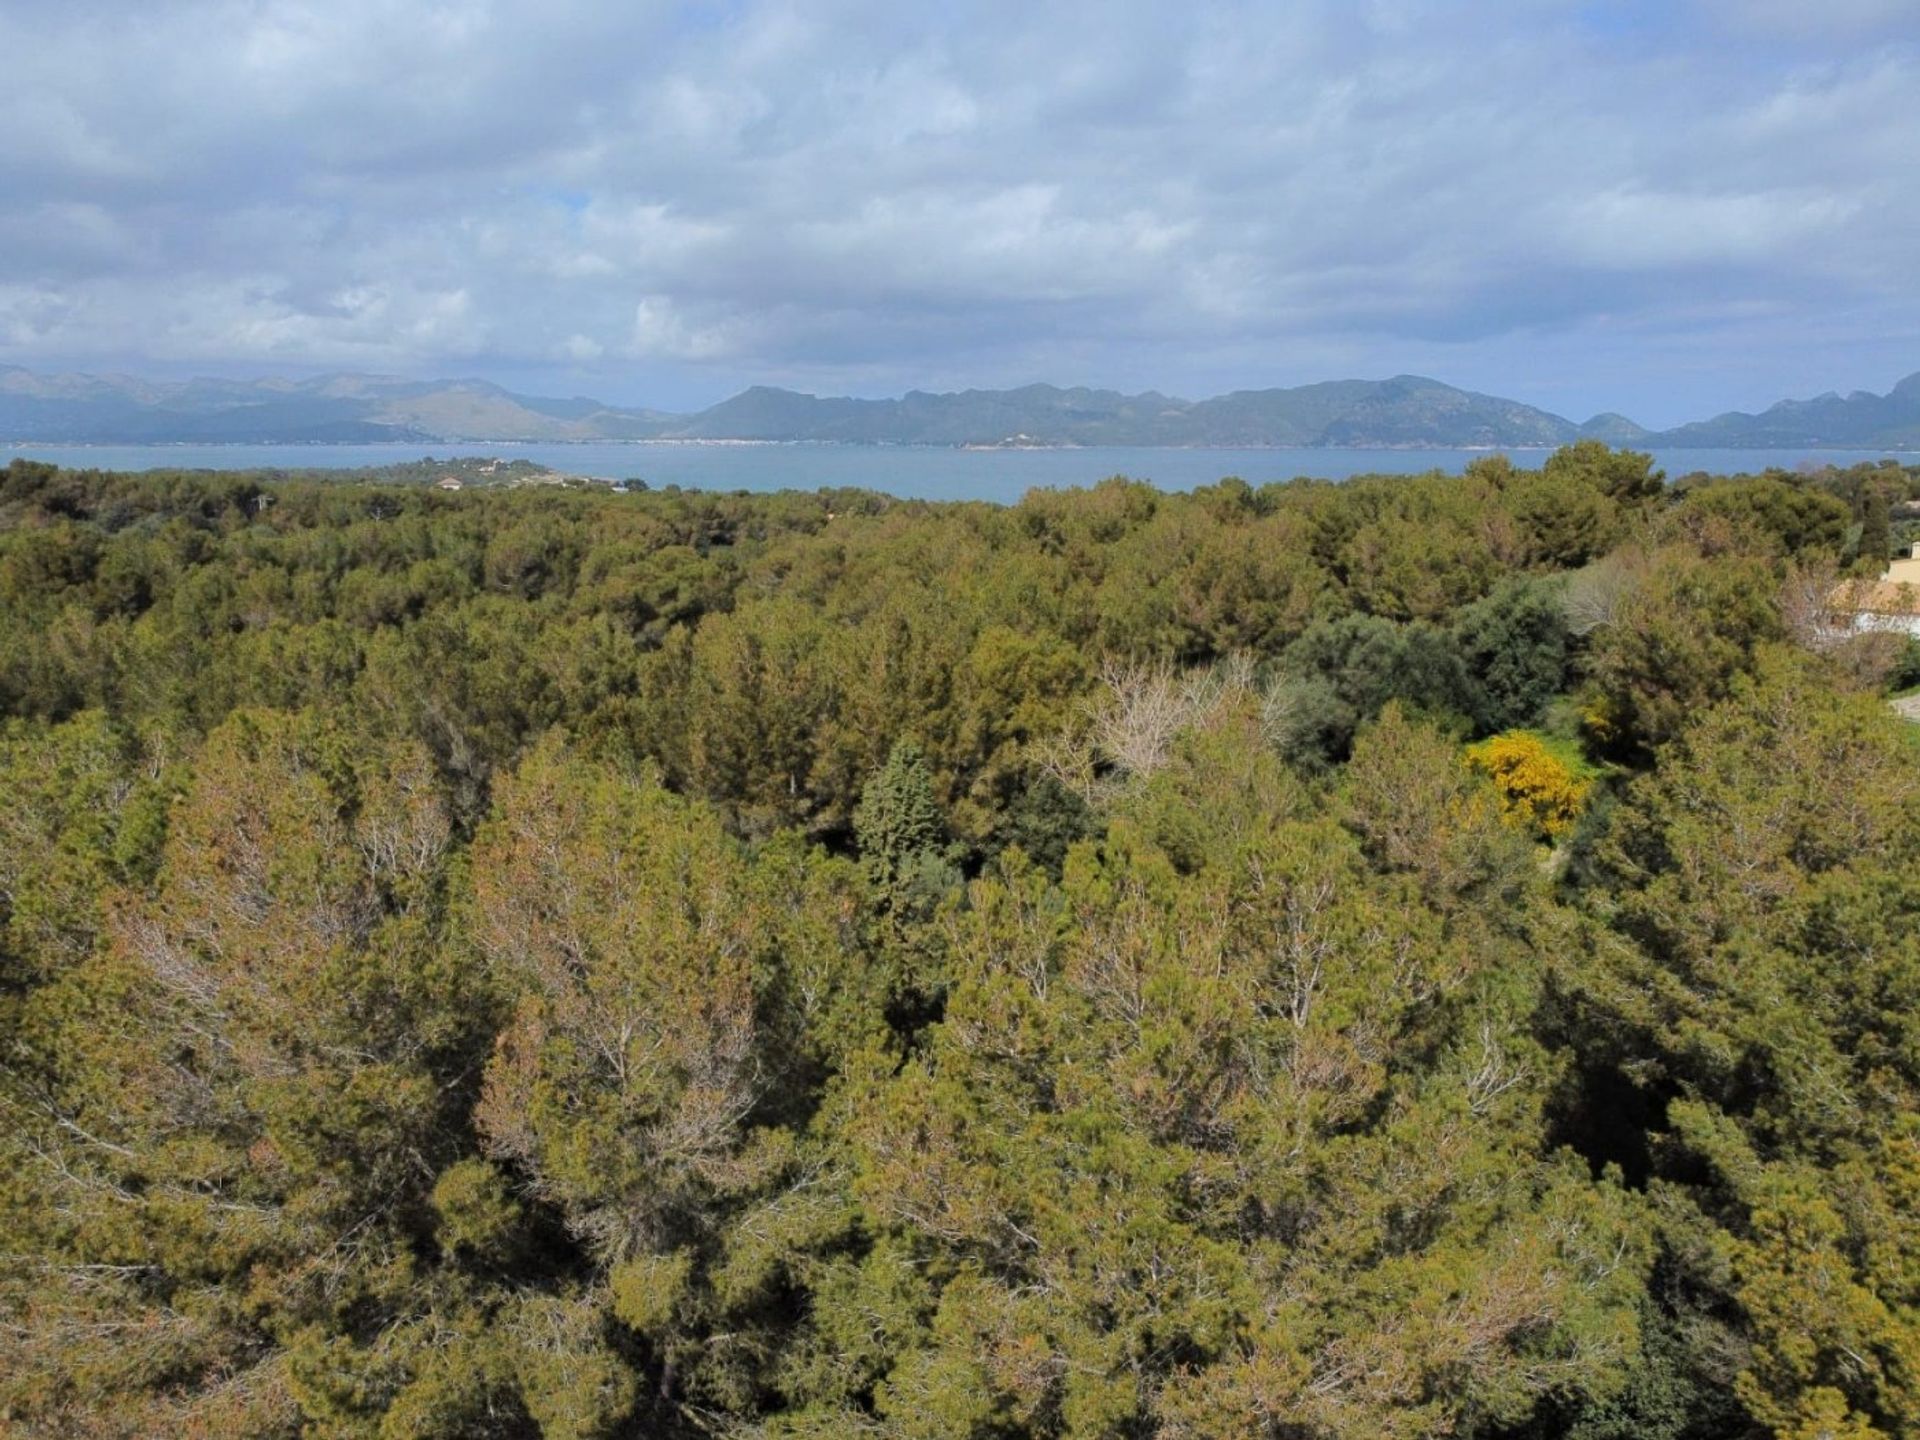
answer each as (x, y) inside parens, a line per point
(1129, 728)
(1818, 608)
(1595, 595)
(1812, 606)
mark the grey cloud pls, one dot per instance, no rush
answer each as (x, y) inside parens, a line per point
(694, 197)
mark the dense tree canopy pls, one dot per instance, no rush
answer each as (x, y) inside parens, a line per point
(1424, 956)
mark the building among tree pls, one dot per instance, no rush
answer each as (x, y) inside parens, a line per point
(1889, 603)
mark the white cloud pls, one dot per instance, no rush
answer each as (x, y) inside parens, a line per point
(1641, 229)
(661, 331)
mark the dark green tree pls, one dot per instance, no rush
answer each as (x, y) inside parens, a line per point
(1876, 534)
(1626, 476)
(902, 835)
(1514, 646)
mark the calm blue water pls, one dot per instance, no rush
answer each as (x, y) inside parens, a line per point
(921, 473)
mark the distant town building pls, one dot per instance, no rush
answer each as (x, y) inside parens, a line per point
(448, 482)
(1889, 604)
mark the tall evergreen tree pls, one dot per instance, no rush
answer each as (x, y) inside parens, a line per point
(902, 835)
(1876, 534)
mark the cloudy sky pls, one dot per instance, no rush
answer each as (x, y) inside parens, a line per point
(1660, 207)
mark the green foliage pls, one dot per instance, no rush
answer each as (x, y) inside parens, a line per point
(646, 1290)
(1125, 1130)
(1624, 476)
(1516, 649)
(1045, 820)
(1353, 666)
(902, 836)
(495, 965)
(1876, 536)
(476, 1211)
(1764, 984)
(1680, 637)
(1772, 514)
(84, 811)
(613, 912)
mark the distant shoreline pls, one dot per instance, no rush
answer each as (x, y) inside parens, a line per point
(967, 447)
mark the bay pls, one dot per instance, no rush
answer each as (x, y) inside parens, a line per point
(911, 472)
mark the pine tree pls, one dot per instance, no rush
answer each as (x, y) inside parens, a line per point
(1876, 535)
(902, 834)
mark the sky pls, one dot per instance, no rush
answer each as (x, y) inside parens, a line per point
(1665, 209)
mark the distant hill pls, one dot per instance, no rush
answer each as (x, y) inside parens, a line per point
(1406, 411)
(1615, 430)
(1859, 419)
(115, 409)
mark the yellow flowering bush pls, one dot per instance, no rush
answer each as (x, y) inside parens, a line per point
(1540, 792)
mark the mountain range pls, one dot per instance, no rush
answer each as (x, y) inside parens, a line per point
(1408, 410)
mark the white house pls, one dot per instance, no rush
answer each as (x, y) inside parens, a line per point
(1890, 604)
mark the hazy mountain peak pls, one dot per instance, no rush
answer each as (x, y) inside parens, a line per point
(1862, 419)
(1404, 410)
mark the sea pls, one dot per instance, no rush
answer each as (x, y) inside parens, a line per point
(908, 471)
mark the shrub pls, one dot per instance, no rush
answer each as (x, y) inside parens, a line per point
(1541, 791)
